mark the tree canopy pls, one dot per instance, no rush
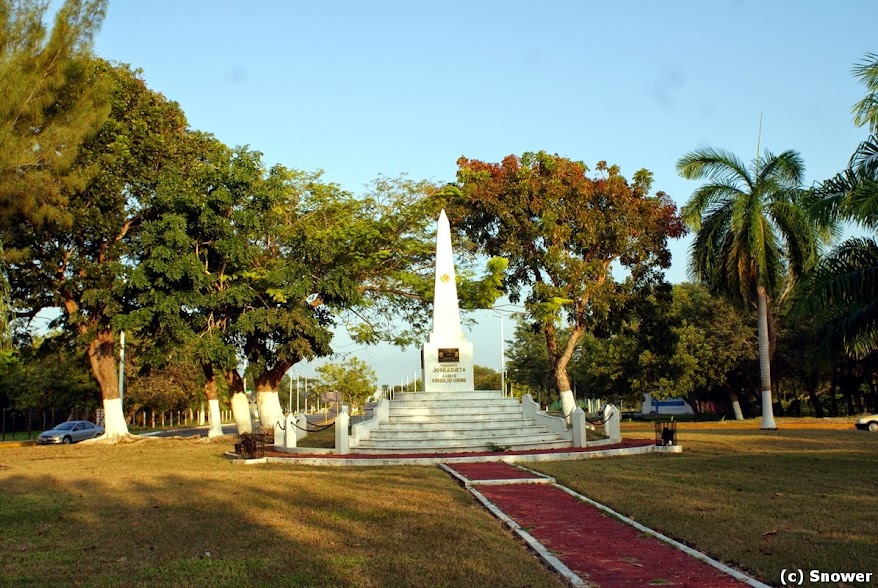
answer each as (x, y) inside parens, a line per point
(53, 100)
(352, 378)
(82, 268)
(843, 289)
(561, 231)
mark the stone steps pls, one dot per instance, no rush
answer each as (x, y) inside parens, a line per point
(457, 422)
(432, 427)
(459, 413)
(462, 402)
(449, 396)
(458, 433)
(461, 447)
(477, 440)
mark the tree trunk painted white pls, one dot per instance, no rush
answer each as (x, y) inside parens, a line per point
(270, 411)
(115, 426)
(764, 360)
(568, 403)
(214, 418)
(241, 413)
(736, 406)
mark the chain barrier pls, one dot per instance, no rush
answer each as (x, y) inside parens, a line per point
(597, 421)
(600, 420)
(317, 430)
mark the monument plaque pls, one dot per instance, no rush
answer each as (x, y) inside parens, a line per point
(447, 357)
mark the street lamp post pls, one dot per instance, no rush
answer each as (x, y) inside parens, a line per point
(122, 369)
(290, 399)
(502, 360)
(502, 313)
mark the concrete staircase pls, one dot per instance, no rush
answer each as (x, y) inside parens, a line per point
(459, 422)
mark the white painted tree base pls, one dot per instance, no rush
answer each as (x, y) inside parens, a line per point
(241, 413)
(568, 403)
(270, 411)
(214, 418)
(115, 427)
(736, 408)
(767, 411)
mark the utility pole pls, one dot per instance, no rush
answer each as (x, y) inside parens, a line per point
(122, 370)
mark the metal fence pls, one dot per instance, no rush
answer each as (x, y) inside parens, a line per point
(28, 424)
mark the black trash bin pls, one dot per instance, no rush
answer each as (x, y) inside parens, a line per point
(666, 434)
(251, 446)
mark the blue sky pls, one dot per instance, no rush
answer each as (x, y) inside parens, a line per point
(359, 89)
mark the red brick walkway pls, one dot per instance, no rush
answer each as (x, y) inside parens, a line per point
(599, 548)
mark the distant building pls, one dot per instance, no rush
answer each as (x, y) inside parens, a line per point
(672, 406)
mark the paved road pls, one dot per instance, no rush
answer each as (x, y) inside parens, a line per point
(189, 432)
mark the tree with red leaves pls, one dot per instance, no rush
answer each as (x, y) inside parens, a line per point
(562, 231)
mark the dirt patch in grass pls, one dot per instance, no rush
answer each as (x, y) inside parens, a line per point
(762, 500)
(175, 513)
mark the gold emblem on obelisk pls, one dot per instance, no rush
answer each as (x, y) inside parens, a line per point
(444, 277)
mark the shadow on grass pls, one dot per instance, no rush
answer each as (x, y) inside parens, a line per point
(131, 516)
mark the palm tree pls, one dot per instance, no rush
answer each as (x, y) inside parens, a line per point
(843, 288)
(753, 236)
(866, 110)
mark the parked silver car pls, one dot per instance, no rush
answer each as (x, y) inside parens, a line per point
(70, 432)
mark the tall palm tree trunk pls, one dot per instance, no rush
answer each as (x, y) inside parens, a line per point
(764, 358)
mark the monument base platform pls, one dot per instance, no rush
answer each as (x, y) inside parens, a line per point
(460, 422)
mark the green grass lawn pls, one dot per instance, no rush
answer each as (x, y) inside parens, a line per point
(173, 512)
(761, 500)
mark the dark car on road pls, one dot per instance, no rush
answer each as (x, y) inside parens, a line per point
(70, 432)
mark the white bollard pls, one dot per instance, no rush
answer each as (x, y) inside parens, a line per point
(577, 423)
(342, 439)
(302, 429)
(278, 434)
(612, 426)
(290, 438)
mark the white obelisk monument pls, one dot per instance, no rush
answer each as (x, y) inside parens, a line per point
(447, 357)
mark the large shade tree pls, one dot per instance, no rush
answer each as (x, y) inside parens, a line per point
(326, 258)
(82, 268)
(686, 347)
(185, 288)
(561, 231)
(753, 235)
(240, 263)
